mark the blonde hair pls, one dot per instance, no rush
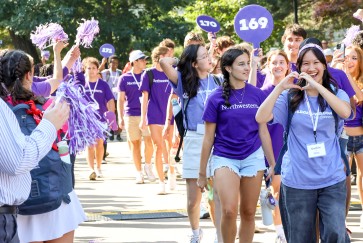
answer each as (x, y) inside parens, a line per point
(90, 60)
(244, 45)
(157, 52)
(359, 77)
(193, 37)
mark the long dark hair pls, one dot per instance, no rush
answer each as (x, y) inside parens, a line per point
(227, 59)
(14, 64)
(189, 74)
(328, 81)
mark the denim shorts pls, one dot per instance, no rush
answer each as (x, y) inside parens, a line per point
(247, 167)
(355, 144)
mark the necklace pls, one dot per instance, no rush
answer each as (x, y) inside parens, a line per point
(242, 94)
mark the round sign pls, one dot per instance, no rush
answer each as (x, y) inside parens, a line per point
(208, 23)
(107, 50)
(254, 24)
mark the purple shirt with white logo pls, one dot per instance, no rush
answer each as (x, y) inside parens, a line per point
(130, 86)
(237, 130)
(99, 90)
(159, 95)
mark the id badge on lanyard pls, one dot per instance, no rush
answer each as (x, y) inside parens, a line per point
(315, 149)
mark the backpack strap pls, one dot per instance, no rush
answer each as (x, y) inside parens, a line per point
(286, 135)
(217, 81)
(150, 75)
(177, 158)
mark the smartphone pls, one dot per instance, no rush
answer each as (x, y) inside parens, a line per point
(267, 182)
(341, 47)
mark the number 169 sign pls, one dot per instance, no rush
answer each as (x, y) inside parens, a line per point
(254, 24)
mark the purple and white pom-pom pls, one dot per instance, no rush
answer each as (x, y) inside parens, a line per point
(351, 32)
(84, 125)
(48, 34)
(77, 66)
(86, 32)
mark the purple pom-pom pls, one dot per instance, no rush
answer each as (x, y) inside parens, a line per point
(48, 34)
(111, 120)
(84, 125)
(77, 66)
(351, 32)
(86, 32)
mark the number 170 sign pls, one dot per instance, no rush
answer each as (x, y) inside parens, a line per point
(254, 24)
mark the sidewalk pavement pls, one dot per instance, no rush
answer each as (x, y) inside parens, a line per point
(119, 210)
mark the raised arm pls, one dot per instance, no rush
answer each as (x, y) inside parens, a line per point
(342, 108)
(264, 113)
(166, 64)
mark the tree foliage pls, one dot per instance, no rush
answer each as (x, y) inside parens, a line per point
(142, 24)
(127, 24)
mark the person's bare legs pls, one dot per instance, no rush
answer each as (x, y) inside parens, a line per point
(227, 184)
(135, 147)
(156, 136)
(194, 196)
(249, 192)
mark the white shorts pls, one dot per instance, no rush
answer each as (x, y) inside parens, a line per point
(191, 155)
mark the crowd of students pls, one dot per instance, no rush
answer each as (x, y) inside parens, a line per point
(239, 116)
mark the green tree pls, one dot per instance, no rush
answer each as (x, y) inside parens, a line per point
(127, 24)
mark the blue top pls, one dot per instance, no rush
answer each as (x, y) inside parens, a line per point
(298, 170)
(196, 104)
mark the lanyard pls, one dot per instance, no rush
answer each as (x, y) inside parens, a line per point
(207, 91)
(113, 77)
(94, 90)
(138, 83)
(315, 123)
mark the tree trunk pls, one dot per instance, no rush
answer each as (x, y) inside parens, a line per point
(23, 43)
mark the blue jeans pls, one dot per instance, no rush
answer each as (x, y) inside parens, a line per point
(8, 228)
(298, 209)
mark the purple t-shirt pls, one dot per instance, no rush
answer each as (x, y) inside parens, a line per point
(357, 121)
(159, 95)
(236, 128)
(195, 109)
(130, 86)
(276, 130)
(298, 170)
(41, 88)
(100, 91)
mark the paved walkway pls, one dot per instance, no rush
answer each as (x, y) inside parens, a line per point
(119, 210)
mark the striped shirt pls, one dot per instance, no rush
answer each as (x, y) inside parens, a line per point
(19, 154)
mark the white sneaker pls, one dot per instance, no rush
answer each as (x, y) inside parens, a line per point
(99, 173)
(204, 214)
(280, 239)
(361, 221)
(148, 169)
(139, 178)
(162, 188)
(172, 181)
(178, 174)
(196, 238)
